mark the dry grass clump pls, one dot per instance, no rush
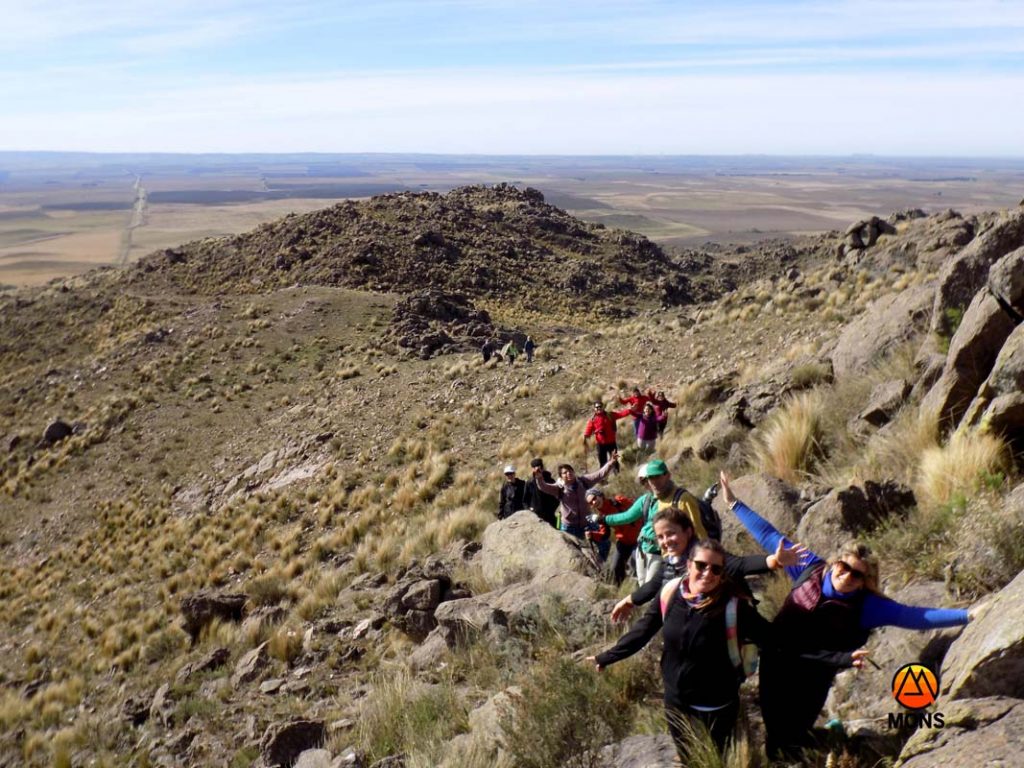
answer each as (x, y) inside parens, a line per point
(960, 467)
(792, 438)
(404, 715)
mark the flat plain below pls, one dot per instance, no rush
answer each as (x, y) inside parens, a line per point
(62, 214)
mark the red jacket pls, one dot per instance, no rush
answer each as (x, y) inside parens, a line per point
(636, 403)
(602, 427)
(629, 532)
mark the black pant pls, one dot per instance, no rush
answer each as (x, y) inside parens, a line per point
(604, 452)
(621, 557)
(720, 724)
(793, 693)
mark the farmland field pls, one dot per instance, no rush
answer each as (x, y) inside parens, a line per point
(61, 214)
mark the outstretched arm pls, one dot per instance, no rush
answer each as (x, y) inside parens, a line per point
(882, 612)
(634, 640)
(766, 534)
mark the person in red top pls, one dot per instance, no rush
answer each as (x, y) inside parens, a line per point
(602, 426)
(636, 402)
(625, 535)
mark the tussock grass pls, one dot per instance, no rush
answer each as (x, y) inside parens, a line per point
(961, 466)
(792, 438)
(404, 715)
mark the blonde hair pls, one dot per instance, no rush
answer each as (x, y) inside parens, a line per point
(863, 553)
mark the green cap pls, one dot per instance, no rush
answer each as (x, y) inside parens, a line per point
(656, 467)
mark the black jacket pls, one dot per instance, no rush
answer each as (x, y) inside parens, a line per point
(510, 500)
(544, 505)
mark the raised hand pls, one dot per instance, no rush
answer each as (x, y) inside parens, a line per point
(795, 555)
(727, 494)
(860, 657)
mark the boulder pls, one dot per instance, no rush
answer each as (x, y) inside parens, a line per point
(866, 693)
(771, 498)
(523, 546)
(848, 512)
(483, 745)
(887, 322)
(200, 608)
(988, 658)
(430, 652)
(314, 758)
(250, 665)
(1006, 283)
(977, 732)
(997, 404)
(720, 436)
(964, 274)
(639, 752)
(162, 708)
(282, 743)
(218, 657)
(972, 353)
(885, 400)
(56, 431)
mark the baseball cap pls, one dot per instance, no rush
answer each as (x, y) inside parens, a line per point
(509, 469)
(595, 492)
(655, 467)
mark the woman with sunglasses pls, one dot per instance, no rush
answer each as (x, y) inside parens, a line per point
(674, 532)
(701, 679)
(832, 607)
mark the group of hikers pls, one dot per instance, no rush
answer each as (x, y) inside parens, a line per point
(509, 352)
(696, 593)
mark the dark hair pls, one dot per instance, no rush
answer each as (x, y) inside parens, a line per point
(537, 463)
(673, 515)
(562, 467)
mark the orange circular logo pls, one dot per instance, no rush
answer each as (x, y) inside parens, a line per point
(915, 686)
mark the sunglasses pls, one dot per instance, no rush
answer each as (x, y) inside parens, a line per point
(702, 566)
(845, 567)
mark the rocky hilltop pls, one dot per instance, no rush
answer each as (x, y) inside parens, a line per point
(494, 243)
(248, 488)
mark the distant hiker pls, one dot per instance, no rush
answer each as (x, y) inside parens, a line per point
(618, 558)
(528, 348)
(661, 406)
(510, 500)
(636, 402)
(543, 505)
(510, 352)
(602, 426)
(571, 490)
(487, 350)
(647, 431)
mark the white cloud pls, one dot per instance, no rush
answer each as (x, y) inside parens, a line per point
(554, 113)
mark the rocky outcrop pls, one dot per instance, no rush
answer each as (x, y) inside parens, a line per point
(986, 325)
(524, 547)
(963, 275)
(282, 743)
(988, 659)
(433, 323)
(772, 499)
(982, 732)
(848, 512)
(999, 404)
(884, 402)
(864, 234)
(201, 608)
(497, 242)
(639, 752)
(886, 323)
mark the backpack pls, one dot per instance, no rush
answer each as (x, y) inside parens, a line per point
(742, 655)
(709, 518)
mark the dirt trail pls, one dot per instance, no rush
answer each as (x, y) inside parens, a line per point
(138, 219)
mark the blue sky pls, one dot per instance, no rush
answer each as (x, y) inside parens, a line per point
(514, 76)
